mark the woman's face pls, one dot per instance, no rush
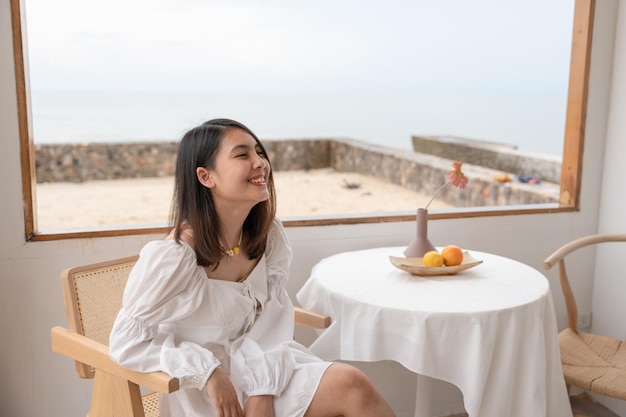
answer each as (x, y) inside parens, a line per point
(240, 173)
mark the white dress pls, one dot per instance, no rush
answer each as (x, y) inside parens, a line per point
(177, 320)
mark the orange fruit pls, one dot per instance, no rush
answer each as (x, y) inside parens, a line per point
(452, 255)
(432, 259)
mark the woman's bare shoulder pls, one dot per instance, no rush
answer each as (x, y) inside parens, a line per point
(186, 236)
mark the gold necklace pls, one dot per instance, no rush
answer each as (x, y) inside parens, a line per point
(236, 249)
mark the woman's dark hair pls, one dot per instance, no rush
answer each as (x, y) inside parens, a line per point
(193, 205)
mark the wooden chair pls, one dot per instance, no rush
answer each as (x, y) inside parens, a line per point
(93, 297)
(592, 362)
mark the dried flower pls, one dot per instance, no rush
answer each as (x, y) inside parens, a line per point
(456, 177)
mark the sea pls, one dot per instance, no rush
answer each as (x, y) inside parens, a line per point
(532, 123)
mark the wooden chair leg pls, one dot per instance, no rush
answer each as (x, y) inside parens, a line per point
(115, 396)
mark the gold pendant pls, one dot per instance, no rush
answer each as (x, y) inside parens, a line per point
(232, 252)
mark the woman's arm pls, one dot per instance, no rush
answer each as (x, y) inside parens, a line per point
(159, 290)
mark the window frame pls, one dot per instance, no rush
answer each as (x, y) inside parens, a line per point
(571, 170)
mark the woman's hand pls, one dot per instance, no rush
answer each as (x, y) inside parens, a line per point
(259, 406)
(223, 395)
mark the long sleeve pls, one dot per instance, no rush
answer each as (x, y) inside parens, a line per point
(262, 360)
(159, 291)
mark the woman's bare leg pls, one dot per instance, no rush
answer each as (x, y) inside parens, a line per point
(346, 391)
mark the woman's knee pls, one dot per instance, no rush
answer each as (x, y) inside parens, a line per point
(346, 391)
(351, 380)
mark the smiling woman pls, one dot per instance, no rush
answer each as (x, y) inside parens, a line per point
(379, 73)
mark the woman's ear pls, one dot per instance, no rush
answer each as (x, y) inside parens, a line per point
(205, 177)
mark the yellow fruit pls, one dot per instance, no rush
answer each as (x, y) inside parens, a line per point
(452, 255)
(432, 259)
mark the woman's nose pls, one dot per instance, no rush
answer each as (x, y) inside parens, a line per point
(260, 162)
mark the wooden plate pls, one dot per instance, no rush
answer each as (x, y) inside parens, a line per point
(416, 266)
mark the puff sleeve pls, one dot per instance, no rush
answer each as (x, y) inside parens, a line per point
(160, 289)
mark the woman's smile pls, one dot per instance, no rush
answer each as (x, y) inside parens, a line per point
(258, 180)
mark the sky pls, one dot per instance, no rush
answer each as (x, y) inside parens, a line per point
(397, 46)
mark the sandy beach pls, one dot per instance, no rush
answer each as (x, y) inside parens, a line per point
(147, 200)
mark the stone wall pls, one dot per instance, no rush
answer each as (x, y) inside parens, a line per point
(107, 161)
(416, 171)
(104, 161)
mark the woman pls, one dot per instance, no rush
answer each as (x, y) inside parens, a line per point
(208, 304)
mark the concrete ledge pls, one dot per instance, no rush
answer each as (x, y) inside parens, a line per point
(497, 156)
(426, 173)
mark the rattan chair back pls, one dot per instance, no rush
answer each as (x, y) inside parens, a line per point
(93, 296)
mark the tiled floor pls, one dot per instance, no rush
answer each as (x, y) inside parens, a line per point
(585, 406)
(582, 406)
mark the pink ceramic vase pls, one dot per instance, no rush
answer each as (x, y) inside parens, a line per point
(421, 244)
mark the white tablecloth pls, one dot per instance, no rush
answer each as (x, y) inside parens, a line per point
(490, 330)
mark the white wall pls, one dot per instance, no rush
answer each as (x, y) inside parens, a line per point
(609, 308)
(36, 382)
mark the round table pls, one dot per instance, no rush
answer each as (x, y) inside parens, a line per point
(490, 330)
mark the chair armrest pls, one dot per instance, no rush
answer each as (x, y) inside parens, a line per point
(95, 354)
(310, 319)
(575, 244)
